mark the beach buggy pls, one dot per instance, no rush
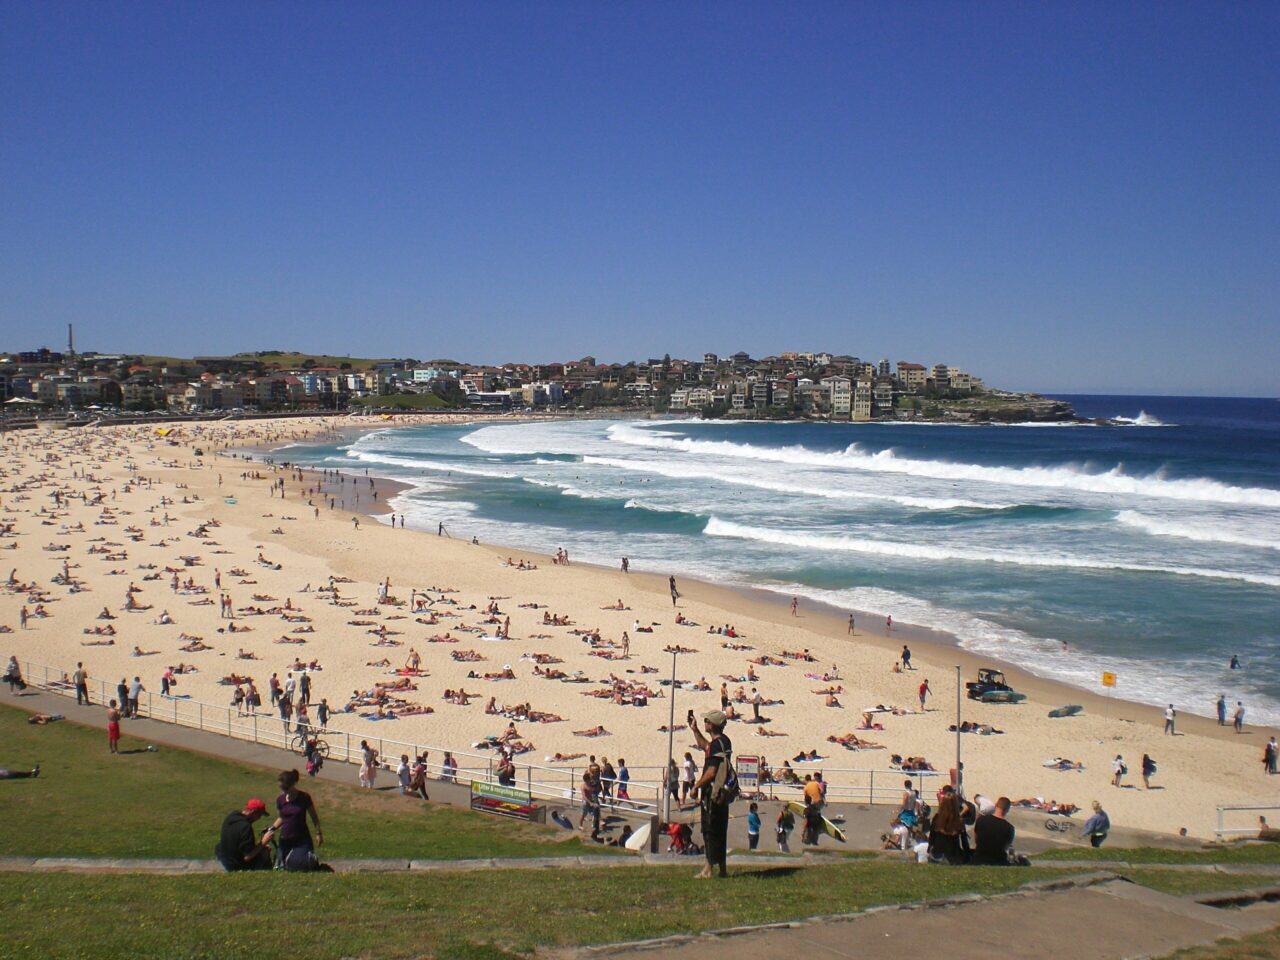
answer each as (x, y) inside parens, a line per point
(990, 687)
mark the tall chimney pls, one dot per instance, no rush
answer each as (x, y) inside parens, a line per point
(71, 340)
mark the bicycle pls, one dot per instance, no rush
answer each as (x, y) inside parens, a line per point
(299, 745)
(1059, 826)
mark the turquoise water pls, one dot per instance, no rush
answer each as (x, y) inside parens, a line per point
(1151, 549)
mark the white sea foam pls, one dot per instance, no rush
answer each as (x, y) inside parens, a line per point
(1069, 478)
(921, 551)
(683, 470)
(1145, 679)
(1143, 419)
(1188, 530)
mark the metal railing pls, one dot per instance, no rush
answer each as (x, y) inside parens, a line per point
(546, 783)
(646, 787)
(1224, 812)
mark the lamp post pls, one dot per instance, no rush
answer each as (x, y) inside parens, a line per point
(663, 779)
(959, 769)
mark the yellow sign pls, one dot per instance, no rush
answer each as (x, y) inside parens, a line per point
(1108, 679)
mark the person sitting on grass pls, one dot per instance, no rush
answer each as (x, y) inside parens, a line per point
(237, 847)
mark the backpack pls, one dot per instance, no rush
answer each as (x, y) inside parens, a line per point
(725, 791)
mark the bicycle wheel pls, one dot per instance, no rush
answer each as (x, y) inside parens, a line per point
(322, 748)
(298, 745)
(1052, 826)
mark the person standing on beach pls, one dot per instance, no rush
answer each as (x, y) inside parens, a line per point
(1148, 771)
(850, 630)
(675, 594)
(1118, 770)
(1269, 756)
(756, 701)
(113, 727)
(1169, 715)
(1237, 721)
(924, 692)
(626, 565)
(906, 657)
(888, 623)
(795, 602)
(1222, 709)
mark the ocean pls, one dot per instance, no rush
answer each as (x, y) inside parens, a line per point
(1151, 549)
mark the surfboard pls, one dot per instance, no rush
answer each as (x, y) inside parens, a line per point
(561, 819)
(639, 840)
(829, 828)
(1068, 711)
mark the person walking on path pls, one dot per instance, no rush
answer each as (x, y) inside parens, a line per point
(1148, 771)
(81, 678)
(688, 776)
(135, 698)
(924, 692)
(1097, 826)
(1170, 715)
(368, 765)
(783, 826)
(716, 768)
(1237, 720)
(753, 826)
(113, 727)
(122, 694)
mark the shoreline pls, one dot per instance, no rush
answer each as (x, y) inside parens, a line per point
(940, 644)
(1201, 767)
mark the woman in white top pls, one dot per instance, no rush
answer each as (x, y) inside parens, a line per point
(688, 776)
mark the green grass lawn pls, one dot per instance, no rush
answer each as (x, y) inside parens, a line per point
(1259, 946)
(87, 802)
(459, 915)
(402, 401)
(1242, 853)
(1182, 884)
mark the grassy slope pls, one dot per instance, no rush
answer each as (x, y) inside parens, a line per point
(171, 803)
(1263, 853)
(391, 916)
(402, 401)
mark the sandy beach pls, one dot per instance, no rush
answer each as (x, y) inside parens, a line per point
(124, 505)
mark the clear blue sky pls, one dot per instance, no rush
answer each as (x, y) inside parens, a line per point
(1058, 196)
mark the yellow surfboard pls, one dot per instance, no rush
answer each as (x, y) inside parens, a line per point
(829, 828)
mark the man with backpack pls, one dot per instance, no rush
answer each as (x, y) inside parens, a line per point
(717, 788)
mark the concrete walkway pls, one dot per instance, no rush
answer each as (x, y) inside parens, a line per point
(1090, 918)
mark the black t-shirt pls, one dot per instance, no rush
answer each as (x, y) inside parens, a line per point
(236, 841)
(719, 751)
(992, 839)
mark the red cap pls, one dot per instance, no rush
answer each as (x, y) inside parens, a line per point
(256, 806)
